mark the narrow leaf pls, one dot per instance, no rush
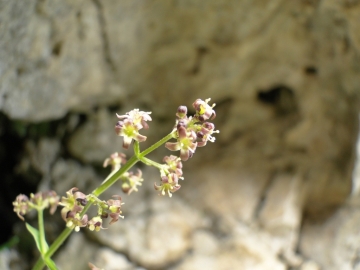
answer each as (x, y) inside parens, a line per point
(35, 233)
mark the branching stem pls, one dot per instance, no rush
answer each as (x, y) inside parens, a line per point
(110, 180)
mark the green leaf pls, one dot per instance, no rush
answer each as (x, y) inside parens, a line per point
(36, 234)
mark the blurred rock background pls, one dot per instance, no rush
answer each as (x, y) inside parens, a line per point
(276, 190)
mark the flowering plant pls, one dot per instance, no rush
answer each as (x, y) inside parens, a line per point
(189, 133)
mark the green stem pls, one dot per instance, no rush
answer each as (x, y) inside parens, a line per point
(157, 144)
(150, 162)
(131, 162)
(86, 207)
(42, 242)
(53, 248)
(136, 148)
(103, 187)
(109, 176)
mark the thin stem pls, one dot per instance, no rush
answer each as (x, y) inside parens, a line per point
(86, 207)
(108, 177)
(136, 148)
(157, 144)
(103, 187)
(150, 162)
(131, 162)
(41, 232)
(53, 248)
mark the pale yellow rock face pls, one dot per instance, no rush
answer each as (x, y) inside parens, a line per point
(286, 79)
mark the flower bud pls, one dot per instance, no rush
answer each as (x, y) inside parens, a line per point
(181, 112)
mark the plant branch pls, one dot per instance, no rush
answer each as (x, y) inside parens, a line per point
(111, 179)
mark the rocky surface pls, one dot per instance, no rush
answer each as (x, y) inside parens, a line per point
(11, 260)
(340, 232)
(285, 77)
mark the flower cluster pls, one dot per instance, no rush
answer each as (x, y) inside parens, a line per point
(190, 133)
(129, 180)
(39, 201)
(115, 160)
(73, 205)
(130, 124)
(170, 174)
(75, 202)
(193, 132)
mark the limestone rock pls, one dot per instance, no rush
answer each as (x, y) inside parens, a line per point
(108, 259)
(281, 213)
(204, 243)
(153, 241)
(43, 154)
(96, 139)
(334, 242)
(52, 59)
(265, 64)
(224, 191)
(310, 265)
(11, 260)
(284, 75)
(77, 247)
(67, 174)
(245, 249)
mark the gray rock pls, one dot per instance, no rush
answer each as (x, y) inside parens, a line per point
(52, 59)
(205, 243)
(286, 79)
(43, 154)
(77, 247)
(163, 237)
(309, 265)
(108, 259)
(75, 56)
(67, 174)
(11, 260)
(96, 139)
(152, 240)
(334, 242)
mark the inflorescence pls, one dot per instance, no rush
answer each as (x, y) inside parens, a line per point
(189, 133)
(39, 201)
(74, 204)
